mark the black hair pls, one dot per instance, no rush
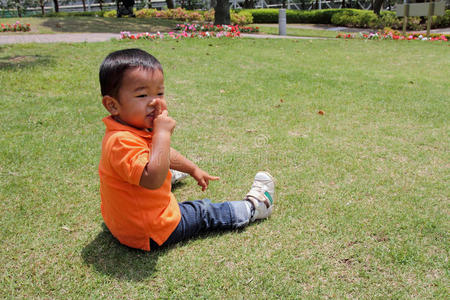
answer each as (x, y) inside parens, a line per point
(115, 65)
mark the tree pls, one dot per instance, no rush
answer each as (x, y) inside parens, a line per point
(42, 5)
(377, 6)
(170, 4)
(249, 4)
(84, 4)
(55, 2)
(222, 13)
(21, 6)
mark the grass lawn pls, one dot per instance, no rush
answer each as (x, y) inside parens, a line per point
(91, 24)
(363, 190)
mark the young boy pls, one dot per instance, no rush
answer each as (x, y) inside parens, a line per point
(135, 182)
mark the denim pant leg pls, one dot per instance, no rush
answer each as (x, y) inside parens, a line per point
(201, 216)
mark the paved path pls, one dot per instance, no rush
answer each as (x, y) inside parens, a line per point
(100, 37)
(345, 29)
(57, 38)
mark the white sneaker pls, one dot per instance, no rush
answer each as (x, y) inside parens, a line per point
(262, 195)
(177, 176)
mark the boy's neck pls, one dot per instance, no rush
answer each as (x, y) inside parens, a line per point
(117, 119)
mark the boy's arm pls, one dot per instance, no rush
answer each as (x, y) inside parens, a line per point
(155, 172)
(180, 163)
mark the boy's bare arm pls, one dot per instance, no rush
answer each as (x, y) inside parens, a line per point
(155, 172)
(180, 163)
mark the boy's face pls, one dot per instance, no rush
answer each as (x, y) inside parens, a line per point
(135, 103)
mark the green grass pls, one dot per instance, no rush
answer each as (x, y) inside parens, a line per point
(363, 190)
(299, 32)
(91, 25)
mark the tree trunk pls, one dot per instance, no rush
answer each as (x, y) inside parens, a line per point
(170, 4)
(100, 3)
(84, 5)
(56, 5)
(222, 13)
(42, 9)
(377, 6)
(249, 4)
(343, 3)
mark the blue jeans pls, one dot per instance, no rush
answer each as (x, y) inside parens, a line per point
(201, 216)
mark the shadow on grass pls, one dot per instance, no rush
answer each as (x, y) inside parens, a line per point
(111, 258)
(178, 185)
(110, 25)
(23, 61)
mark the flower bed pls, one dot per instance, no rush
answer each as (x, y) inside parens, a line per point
(216, 28)
(15, 27)
(188, 31)
(248, 29)
(394, 36)
(125, 35)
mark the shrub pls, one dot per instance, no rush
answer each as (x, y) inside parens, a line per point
(264, 15)
(209, 15)
(166, 14)
(241, 17)
(145, 13)
(441, 21)
(347, 17)
(354, 18)
(322, 16)
(414, 23)
(110, 14)
(177, 14)
(195, 16)
(387, 19)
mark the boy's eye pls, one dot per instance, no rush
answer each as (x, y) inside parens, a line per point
(160, 94)
(142, 96)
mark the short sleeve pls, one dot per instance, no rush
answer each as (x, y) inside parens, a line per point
(128, 157)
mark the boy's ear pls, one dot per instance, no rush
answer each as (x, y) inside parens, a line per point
(111, 105)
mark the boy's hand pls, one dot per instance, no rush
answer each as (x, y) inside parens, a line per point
(160, 105)
(203, 178)
(164, 123)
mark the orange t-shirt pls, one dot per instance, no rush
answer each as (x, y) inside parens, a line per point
(133, 213)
